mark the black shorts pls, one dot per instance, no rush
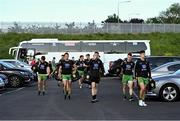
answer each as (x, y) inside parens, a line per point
(95, 78)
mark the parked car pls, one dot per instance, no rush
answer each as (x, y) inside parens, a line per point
(2, 84)
(167, 87)
(115, 68)
(17, 77)
(155, 61)
(167, 68)
(17, 63)
(22, 65)
(5, 79)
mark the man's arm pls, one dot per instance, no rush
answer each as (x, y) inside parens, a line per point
(48, 70)
(121, 65)
(102, 67)
(149, 70)
(136, 69)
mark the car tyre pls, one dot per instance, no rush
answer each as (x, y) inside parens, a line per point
(169, 93)
(15, 81)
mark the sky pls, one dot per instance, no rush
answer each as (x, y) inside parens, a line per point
(78, 10)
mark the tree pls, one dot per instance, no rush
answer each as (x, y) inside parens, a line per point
(70, 25)
(112, 19)
(15, 28)
(91, 25)
(154, 20)
(136, 20)
(170, 15)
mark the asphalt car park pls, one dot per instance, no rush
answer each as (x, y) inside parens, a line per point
(25, 104)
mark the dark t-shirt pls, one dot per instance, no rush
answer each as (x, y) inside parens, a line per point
(80, 65)
(95, 66)
(142, 69)
(87, 63)
(42, 67)
(127, 67)
(67, 66)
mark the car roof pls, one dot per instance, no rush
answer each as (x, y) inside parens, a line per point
(158, 57)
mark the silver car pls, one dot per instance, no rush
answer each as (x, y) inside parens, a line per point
(165, 69)
(167, 87)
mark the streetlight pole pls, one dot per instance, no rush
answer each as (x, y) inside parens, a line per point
(127, 1)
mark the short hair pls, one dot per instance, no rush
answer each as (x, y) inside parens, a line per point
(87, 54)
(81, 56)
(142, 51)
(66, 54)
(96, 52)
(130, 54)
(43, 58)
(54, 58)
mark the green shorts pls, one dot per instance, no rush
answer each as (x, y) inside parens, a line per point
(127, 78)
(81, 73)
(42, 77)
(143, 80)
(66, 77)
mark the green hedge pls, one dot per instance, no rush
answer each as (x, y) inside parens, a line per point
(161, 43)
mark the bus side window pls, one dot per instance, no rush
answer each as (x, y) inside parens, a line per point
(23, 53)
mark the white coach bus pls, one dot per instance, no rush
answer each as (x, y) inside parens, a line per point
(109, 50)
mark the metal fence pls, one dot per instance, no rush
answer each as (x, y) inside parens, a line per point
(86, 28)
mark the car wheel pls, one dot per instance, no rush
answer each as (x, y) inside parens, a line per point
(15, 81)
(169, 93)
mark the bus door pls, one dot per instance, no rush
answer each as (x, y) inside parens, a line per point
(26, 54)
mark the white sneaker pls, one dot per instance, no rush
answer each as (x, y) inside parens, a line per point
(144, 104)
(141, 103)
(81, 86)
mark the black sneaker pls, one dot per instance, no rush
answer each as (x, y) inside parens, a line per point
(124, 97)
(69, 97)
(43, 93)
(131, 99)
(65, 96)
(39, 93)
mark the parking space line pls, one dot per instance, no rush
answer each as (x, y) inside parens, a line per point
(12, 91)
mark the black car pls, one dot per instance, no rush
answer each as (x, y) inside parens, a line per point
(17, 77)
(115, 68)
(155, 61)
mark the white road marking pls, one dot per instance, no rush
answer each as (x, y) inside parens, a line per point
(12, 91)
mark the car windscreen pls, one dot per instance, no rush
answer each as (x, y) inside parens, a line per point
(12, 63)
(7, 65)
(22, 63)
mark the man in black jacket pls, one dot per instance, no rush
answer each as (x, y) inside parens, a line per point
(143, 75)
(96, 68)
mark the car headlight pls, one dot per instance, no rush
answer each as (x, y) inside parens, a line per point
(24, 73)
(1, 80)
